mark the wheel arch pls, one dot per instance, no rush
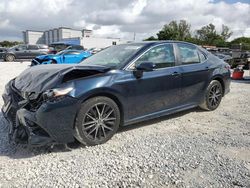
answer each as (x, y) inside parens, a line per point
(220, 79)
(9, 53)
(112, 96)
(55, 60)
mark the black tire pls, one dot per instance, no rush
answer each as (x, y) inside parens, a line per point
(97, 121)
(9, 58)
(213, 96)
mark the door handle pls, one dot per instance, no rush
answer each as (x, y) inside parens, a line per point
(175, 74)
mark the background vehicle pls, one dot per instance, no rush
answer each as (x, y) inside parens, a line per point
(95, 50)
(118, 86)
(2, 51)
(224, 57)
(241, 59)
(25, 51)
(63, 57)
(59, 46)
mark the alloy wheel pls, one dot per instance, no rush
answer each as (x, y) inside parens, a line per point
(10, 58)
(215, 95)
(99, 122)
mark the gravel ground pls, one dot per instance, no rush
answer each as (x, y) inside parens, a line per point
(189, 149)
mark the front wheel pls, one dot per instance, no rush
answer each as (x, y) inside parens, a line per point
(213, 96)
(97, 121)
(10, 58)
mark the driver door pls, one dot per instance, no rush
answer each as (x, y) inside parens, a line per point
(71, 57)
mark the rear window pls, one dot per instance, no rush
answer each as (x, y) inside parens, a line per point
(188, 54)
(58, 47)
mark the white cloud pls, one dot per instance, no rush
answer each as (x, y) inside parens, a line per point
(4, 23)
(120, 18)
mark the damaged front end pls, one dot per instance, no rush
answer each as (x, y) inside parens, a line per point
(40, 105)
(33, 118)
(19, 111)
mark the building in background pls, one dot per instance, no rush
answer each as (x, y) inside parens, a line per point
(33, 37)
(83, 37)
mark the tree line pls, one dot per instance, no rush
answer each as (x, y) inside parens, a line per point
(8, 43)
(206, 35)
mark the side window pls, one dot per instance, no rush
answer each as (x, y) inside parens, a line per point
(188, 53)
(22, 47)
(162, 56)
(202, 56)
(32, 47)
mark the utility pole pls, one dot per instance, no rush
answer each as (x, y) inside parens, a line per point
(134, 36)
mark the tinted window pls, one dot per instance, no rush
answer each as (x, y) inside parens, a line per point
(76, 47)
(58, 47)
(32, 47)
(188, 53)
(114, 57)
(162, 56)
(21, 47)
(202, 56)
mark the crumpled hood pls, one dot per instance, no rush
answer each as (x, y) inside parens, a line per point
(43, 77)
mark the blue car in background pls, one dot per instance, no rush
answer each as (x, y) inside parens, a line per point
(63, 57)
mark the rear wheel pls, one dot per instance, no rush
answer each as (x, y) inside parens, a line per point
(10, 58)
(213, 96)
(97, 121)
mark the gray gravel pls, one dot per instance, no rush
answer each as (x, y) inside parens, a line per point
(189, 149)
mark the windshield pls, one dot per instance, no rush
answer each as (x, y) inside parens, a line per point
(114, 56)
(14, 47)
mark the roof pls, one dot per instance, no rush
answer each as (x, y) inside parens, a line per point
(160, 42)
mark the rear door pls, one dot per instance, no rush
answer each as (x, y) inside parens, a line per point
(195, 72)
(20, 51)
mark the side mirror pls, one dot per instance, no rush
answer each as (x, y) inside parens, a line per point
(143, 67)
(16, 49)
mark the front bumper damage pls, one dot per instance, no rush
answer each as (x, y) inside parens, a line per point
(44, 123)
(38, 61)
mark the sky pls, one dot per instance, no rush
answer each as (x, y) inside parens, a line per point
(121, 18)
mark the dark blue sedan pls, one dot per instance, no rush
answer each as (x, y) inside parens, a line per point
(118, 86)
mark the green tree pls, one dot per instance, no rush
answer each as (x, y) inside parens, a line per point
(241, 42)
(9, 43)
(175, 31)
(207, 34)
(226, 33)
(150, 38)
